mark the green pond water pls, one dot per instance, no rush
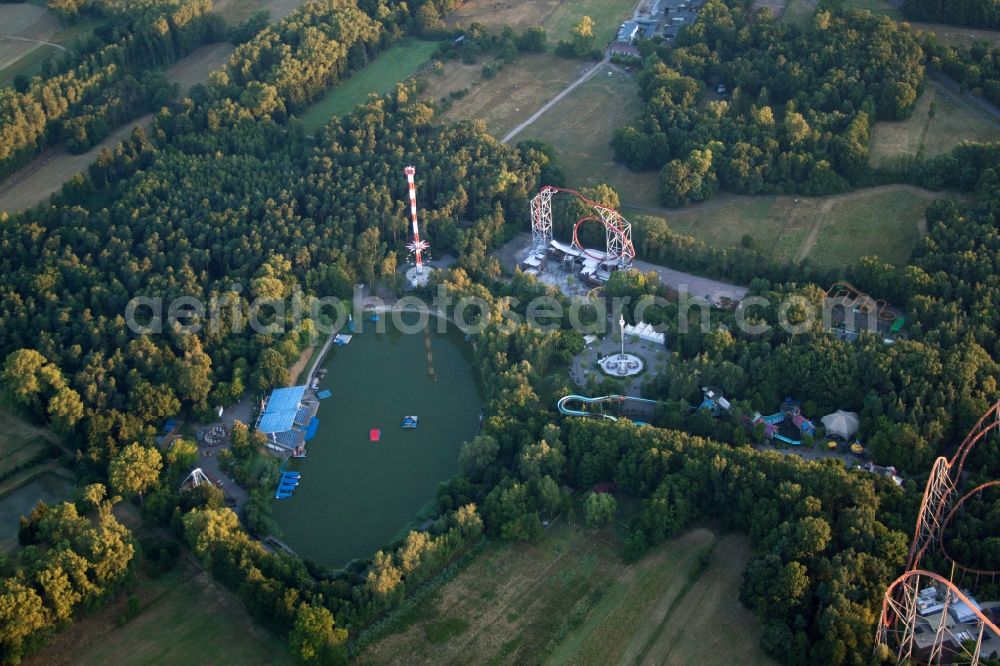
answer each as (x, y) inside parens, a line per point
(356, 495)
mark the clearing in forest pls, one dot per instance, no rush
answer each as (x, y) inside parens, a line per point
(581, 127)
(185, 618)
(831, 231)
(237, 11)
(29, 34)
(570, 599)
(47, 173)
(557, 16)
(196, 67)
(939, 122)
(507, 99)
(394, 65)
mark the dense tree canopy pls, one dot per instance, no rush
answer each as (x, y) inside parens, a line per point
(797, 107)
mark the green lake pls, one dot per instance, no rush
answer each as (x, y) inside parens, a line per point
(356, 495)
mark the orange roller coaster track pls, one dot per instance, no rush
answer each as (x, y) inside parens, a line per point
(898, 623)
(618, 231)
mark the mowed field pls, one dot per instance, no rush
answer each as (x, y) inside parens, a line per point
(236, 11)
(509, 98)
(195, 68)
(30, 33)
(186, 618)
(581, 126)
(777, 7)
(557, 16)
(396, 64)
(799, 12)
(886, 221)
(570, 599)
(939, 122)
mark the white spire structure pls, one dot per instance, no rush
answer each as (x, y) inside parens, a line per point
(417, 276)
(621, 327)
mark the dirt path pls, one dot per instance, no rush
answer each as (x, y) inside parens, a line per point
(34, 41)
(46, 174)
(589, 74)
(827, 204)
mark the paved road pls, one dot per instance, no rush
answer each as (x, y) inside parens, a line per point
(715, 291)
(589, 74)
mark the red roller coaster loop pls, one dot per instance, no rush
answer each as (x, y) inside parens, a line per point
(618, 231)
(898, 624)
(947, 523)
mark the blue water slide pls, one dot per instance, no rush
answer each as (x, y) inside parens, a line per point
(563, 409)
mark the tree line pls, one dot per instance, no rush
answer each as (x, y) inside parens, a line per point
(975, 68)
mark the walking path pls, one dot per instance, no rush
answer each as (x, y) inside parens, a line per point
(589, 74)
(34, 41)
(319, 358)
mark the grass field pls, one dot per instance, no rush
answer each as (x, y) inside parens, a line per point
(186, 618)
(235, 11)
(876, 7)
(196, 67)
(509, 98)
(398, 63)
(777, 7)
(831, 231)
(581, 126)
(32, 25)
(799, 12)
(571, 599)
(939, 123)
(556, 16)
(955, 35)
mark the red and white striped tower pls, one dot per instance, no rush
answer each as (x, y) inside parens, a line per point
(417, 246)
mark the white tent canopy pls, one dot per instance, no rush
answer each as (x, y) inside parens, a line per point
(645, 331)
(841, 423)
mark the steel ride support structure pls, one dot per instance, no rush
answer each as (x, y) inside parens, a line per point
(618, 231)
(898, 622)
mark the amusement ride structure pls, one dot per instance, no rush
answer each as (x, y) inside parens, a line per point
(564, 401)
(898, 626)
(618, 231)
(418, 275)
(195, 479)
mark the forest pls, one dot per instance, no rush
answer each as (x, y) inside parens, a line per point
(797, 108)
(225, 198)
